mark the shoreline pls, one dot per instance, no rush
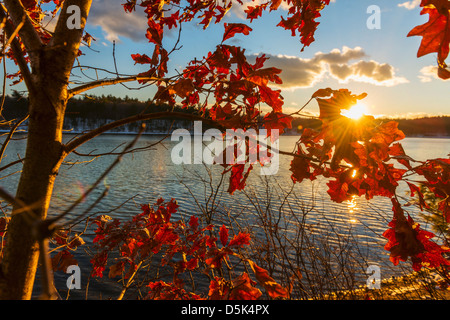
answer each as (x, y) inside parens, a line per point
(160, 133)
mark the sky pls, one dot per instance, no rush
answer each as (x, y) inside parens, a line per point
(346, 54)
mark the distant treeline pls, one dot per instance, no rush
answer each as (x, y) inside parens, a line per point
(90, 107)
(88, 112)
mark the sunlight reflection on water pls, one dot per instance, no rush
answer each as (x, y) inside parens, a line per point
(145, 176)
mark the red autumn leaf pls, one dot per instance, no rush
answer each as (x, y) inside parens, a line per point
(402, 236)
(154, 32)
(62, 260)
(193, 222)
(215, 257)
(239, 240)
(415, 189)
(322, 93)
(169, 291)
(443, 72)
(274, 290)
(116, 269)
(3, 224)
(262, 77)
(275, 4)
(232, 28)
(303, 15)
(254, 12)
(397, 151)
(223, 235)
(271, 97)
(435, 33)
(192, 264)
(88, 39)
(141, 59)
(300, 168)
(238, 178)
(182, 88)
(338, 191)
(444, 206)
(129, 6)
(242, 288)
(278, 121)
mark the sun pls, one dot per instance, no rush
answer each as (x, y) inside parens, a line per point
(355, 112)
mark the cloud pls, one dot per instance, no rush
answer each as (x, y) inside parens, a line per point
(428, 73)
(305, 73)
(116, 23)
(410, 5)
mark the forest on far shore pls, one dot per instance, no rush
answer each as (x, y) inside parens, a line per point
(88, 112)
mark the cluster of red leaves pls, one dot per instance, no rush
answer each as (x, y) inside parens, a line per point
(358, 157)
(435, 33)
(301, 18)
(354, 153)
(152, 232)
(215, 72)
(407, 239)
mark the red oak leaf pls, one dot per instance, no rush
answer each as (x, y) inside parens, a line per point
(238, 178)
(254, 12)
(141, 59)
(274, 290)
(154, 32)
(223, 235)
(232, 28)
(239, 240)
(278, 121)
(271, 97)
(435, 33)
(3, 224)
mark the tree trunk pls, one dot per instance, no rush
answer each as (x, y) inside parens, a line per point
(42, 160)
(51, 65)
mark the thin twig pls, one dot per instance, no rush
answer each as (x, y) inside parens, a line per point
(101, 178)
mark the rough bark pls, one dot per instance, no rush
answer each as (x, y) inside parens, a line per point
(50, 73)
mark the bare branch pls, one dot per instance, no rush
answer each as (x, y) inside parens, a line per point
(8, 138)
(107, 82)
(101, 178)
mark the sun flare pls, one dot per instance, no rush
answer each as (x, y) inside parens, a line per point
(356, 111)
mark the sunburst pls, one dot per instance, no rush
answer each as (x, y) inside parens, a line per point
(356, 111)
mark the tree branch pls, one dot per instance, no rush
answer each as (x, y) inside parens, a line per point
(106, 82)
(28, 34)
(18, 54)
(8, 138)
(63, 48)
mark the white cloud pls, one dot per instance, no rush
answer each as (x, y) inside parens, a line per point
(410, 5)
(428, 73)
(115, 22)
(337, 64)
